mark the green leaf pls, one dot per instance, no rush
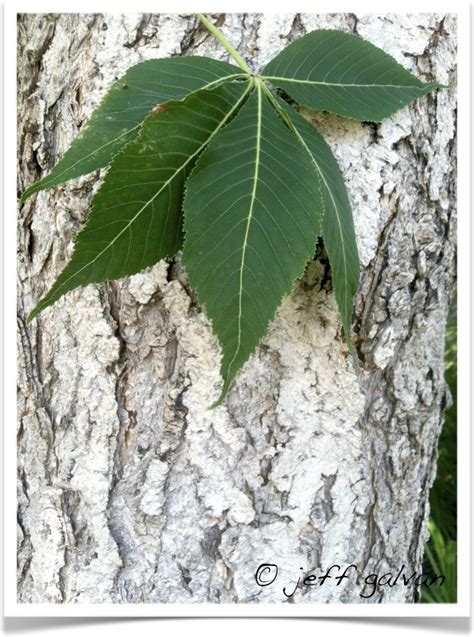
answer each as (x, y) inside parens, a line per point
(252, 213)
(344, 74)
(338, 226)
(118, 118)
(136, 215)
(261, 183)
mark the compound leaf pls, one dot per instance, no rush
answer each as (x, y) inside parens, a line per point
(252, 214)
(342, 73)
(338, 226)
(260, 182)
(118, 118)
(136, 214)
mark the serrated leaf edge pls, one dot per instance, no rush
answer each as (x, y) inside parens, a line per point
(42, 184)
(40, 306)
(336, 210)
(227, 385)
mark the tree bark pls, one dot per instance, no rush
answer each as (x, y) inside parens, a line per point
(130, 489)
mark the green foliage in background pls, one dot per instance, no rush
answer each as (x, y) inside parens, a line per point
(441, 550)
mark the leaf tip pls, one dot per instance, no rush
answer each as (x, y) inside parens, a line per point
(33, 314)
(431, 86)
(223, 395)
(39, 307)
(23, 198)
(31, 190)
(218, 402)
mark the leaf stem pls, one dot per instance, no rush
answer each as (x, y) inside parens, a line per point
(223, 40)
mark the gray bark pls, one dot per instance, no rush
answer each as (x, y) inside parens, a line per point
(129, 489)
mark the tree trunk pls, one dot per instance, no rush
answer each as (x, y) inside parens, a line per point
(130, 489)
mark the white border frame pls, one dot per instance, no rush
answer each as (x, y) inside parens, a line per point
(462, 608)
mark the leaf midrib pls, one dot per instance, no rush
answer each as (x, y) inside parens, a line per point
(340, 84)
(168, 181)
(328, 188)
(336, 209)
(249, 221)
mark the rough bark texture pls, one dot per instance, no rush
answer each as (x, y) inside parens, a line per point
(130, 490)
